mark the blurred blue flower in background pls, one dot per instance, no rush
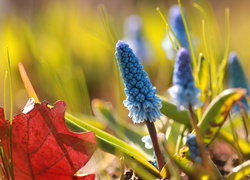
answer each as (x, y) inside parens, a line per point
(142, 102)
(237, 79)
(176, 23)
(184, 93)
(133, 36)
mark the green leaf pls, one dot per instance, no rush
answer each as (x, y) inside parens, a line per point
(240, 171)
(170, 110)
(91, 120)
(217, 112)
(203, 73)
(173, 133)
(122, 129)
(111, 144)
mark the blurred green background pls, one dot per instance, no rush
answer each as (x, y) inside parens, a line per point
(64, 45)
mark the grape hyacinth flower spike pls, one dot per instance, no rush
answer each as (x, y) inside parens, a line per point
(237, 79)
(184, 93)
(142, 102)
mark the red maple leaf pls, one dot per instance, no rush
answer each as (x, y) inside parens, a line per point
(43, 147)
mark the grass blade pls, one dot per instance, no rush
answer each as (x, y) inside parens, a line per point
(11, 116)
(111, 144)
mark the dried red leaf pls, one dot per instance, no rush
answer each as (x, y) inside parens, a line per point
(43, 147)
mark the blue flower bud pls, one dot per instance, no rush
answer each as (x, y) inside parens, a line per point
(184, 93)
(141, 101)
(237, 79)
(194, 149)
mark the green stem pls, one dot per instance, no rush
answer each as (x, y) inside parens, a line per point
(224, 61)
(169, 28)
(210, 54)
(11, 115)
(205, 160)
(153, 135)
(5, 113)
(189, 38)
(5, 163)
(180, 138)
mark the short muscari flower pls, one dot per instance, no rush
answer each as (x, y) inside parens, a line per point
(176, 23)
(142, 102)
(148, 142)
(194, 149)
(134, 37)
(184, 93)
(237, 79)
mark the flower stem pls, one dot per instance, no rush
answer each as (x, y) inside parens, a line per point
(153, 135)
(204, 157)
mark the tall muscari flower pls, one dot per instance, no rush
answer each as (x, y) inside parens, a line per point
(142, 102)
(176, 23)
(194, 149)
(184, 93)
(237, 78)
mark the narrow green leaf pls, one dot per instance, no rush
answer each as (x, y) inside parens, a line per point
(203, 73)
(217, 112)
(240, 171)
(91, 120)
(170, 110)
(11, 116)
(173, 133)
(122, 129)
(111, 144)
(84, 90)
(224, 60)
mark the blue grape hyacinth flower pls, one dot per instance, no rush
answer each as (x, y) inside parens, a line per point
(237, 79)
(184, 93)
(176, 23)
(142, 102)
(194, 149)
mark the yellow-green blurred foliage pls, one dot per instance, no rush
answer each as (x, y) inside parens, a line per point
(64, 45)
